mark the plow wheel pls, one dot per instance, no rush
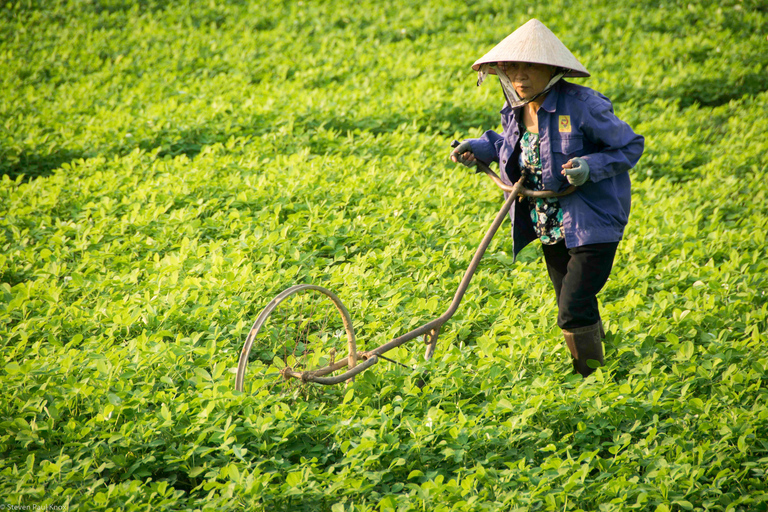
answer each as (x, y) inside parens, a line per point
(304, 332)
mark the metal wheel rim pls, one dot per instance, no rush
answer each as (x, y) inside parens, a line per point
(242, 364)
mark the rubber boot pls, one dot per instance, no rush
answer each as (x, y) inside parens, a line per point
(602, 331)
(585, 344)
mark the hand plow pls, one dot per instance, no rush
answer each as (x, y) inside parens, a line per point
(305, 333)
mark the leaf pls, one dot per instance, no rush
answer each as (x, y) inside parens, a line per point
(504, 405)
(687, 349)
(397, 462)
(387, 504)
(202, 374)
(30, 463)
(294, 479)
(12, 368)
(196, 471)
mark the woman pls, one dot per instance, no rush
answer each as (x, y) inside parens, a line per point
(560, 135)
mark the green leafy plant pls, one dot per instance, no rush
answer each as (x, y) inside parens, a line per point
(165, 170)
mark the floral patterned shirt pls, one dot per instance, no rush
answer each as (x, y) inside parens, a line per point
(546, 213)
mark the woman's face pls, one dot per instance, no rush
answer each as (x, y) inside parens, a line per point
(528, 79)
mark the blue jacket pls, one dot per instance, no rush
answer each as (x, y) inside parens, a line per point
(574, 121)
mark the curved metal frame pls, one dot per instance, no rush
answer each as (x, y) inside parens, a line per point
(317, 375)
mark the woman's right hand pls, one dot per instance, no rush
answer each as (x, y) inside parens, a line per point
(462, 154)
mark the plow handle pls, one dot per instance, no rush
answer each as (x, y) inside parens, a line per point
(522, 192)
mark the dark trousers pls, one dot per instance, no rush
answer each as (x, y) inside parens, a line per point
(578, 274)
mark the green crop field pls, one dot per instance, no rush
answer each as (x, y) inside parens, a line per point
(166, 168)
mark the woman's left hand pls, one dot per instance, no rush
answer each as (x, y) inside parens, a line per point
(576, 171)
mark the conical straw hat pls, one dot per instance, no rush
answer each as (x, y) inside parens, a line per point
(533, 42)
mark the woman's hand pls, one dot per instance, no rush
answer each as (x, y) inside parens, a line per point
(463, 155)
(576, 170)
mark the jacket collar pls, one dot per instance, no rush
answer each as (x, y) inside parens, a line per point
(550, 102)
